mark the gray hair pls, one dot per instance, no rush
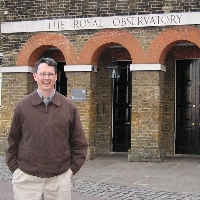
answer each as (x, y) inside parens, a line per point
(48, 61)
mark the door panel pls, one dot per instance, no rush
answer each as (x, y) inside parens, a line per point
(61, 83)
(122, 110)
(187, 107)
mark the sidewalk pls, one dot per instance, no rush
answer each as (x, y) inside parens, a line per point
(111, 176)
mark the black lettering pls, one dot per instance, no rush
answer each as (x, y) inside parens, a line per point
(163, 19)
(76, 24)
(62, 25)
(173, 19)
(83, 25)
(49, 25)
(179, 17)
(140, 19)
(129, 20)
(89, 22)
(116, 22)
(95, 23)
(152, 20)
(123, 22)
(146, 19)
(158, 19)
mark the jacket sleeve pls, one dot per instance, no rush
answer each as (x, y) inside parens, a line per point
(78, 144)
(14, 137)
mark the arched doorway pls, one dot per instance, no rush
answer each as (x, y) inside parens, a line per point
(100, 49)
(180, 53)
(187, 106)
(114, 106)
(187, 100)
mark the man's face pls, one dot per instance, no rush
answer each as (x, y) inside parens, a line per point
(45, 77)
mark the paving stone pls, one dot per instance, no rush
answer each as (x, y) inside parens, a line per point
(87, 190)
(121, 193)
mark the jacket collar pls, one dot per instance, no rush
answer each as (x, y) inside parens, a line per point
(36, 100)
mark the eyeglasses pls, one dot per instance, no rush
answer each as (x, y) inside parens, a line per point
(44, 75)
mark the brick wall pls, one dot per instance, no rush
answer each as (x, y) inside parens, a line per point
(168, 106)
(14, 87)
(43, 9)
(86, 109)
(104, 106)
(146, 125)
(11, 45)
(96, 111)
(153, 97)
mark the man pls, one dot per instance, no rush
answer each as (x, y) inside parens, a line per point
(47, 144)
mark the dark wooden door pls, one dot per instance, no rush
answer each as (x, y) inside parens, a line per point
(122, 110)
(187, 106)
(61, 83)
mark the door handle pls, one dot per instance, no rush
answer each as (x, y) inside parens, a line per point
(127, 122)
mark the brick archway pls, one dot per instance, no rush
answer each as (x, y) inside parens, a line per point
(167, 39)
(102, 40)
(38, 43)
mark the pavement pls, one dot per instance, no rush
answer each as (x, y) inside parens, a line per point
(111, 176)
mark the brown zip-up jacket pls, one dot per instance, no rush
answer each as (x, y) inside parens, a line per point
(46, 141)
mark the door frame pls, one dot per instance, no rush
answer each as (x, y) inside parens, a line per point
(195, 62)
(128, 62)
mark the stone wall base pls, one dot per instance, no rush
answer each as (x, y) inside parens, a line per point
(146, 155)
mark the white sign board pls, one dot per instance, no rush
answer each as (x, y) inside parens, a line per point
(165, 19)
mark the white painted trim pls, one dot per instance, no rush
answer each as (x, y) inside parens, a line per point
(145, 67)
(17, 69)
(64, 24)
(78, 68)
